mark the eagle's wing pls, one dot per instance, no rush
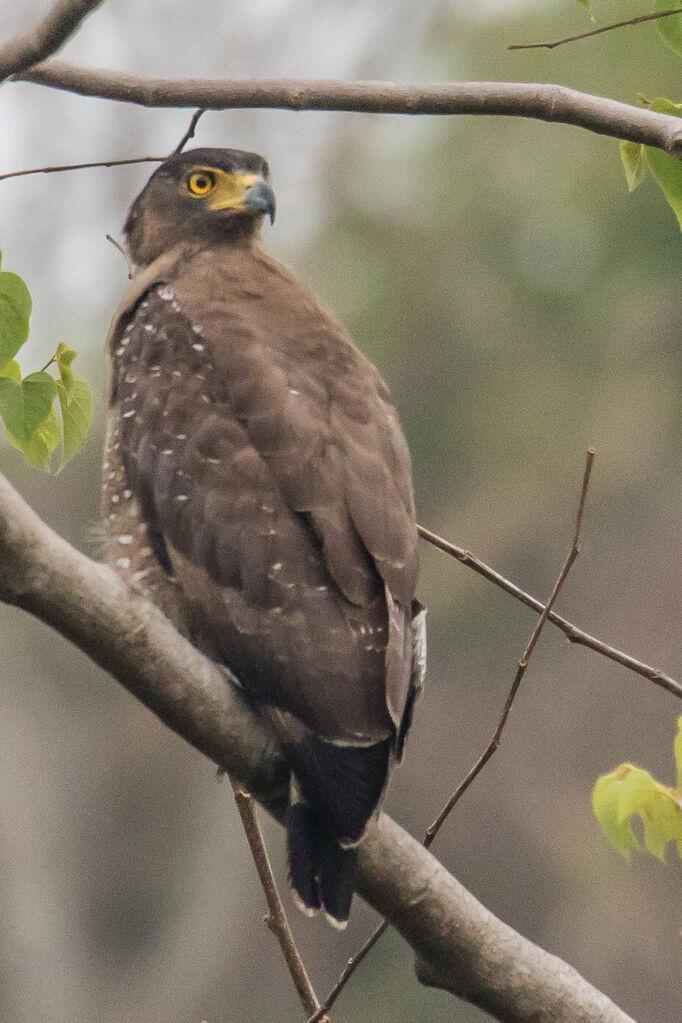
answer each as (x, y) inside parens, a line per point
(321, 416)
(273, 465)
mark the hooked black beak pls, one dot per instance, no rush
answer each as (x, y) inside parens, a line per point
(260, 199)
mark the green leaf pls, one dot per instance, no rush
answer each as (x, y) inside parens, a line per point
(662, 817)
(670, 29)
(64, 356)
(628, 791)
(678, 752)
(605, 806)
(635, 788)
(11, 405)
(39, 392)
(632, 158)
(15, 310)
(77, 412)
(38, 449)
(12, 371)
(26, 405)
(666, 169)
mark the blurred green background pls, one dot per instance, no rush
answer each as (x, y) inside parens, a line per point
(521, 306)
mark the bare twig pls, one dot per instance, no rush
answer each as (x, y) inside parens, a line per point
(111, 163)
(45, 38)
(276, 918)
(82, 166)
(572, 632)
(189, 134)
(544, 102)
(494, 743)
(117, 245)
(349, 969)
(596, 31)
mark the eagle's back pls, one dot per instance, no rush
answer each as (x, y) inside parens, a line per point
(257, 484)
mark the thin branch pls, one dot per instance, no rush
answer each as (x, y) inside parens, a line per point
(572, 632)
(189, 134)
(544, 102)
(117, 245)
(494, 743)
(276, 918)
(596, 31)
(459, 945)
(490, 749)
(45, 38)
(349, 969)
(112, 163)
(82, 166)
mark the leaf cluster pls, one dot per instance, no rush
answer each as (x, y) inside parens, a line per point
(27, 405)
(666, 169)
(637, 158)
(630, 791)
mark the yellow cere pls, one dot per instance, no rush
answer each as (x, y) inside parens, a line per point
(226, 190)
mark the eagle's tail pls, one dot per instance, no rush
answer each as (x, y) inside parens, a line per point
(334, 792)
(321, 871)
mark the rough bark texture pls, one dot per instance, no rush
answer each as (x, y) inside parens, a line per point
(45, 38)
(544, 102)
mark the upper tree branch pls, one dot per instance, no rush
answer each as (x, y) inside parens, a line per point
(459, 945)
(45, 38)
(514, 99)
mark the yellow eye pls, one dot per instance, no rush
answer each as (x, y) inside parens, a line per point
(201, 182)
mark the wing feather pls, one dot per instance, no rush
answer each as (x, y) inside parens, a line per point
(319, 413)
(272, 461)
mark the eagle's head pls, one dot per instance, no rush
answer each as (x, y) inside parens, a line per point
(203, 195)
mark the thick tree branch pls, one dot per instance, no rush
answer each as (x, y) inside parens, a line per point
(125, 634)
(45, 38)
(459, 945)
(462, 948)
(514, 99)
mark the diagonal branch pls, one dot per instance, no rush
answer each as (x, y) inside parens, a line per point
(597, 31)
(572, 632)
(45, 38)
(349, 969)
(459, 945)
(276, 918)
(494, 743)
(543, 102)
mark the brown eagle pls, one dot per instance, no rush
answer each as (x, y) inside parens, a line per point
(257, 485)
